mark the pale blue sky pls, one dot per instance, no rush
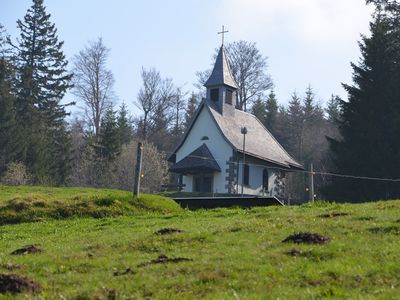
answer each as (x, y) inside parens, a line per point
(306, 41)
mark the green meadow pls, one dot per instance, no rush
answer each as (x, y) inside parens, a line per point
(105, 244)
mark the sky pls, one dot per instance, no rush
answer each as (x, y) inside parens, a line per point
(307, 42)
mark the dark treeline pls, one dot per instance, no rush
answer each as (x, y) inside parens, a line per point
(302, 128)
(41, 144)
(369, 124)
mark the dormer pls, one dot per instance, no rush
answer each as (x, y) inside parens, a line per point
(221, 86)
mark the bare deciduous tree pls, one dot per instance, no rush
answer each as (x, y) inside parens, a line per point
(120, 173)
(148, 97)
(155, 99)
(248, 67)
(179, 104)
(249, 70)
(93, 82)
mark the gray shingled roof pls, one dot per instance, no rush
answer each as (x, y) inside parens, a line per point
(221, 73)
(259, 141)
(199, 160)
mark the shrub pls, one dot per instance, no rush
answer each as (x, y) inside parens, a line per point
(16, 174)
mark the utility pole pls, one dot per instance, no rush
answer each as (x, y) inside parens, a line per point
(138, 170)
(243, 130)
(311, 188)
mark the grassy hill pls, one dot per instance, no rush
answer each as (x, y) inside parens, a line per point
(27, 204)
(169, 253)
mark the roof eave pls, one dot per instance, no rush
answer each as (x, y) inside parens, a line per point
(284, 165)
(211, 85)
(172, 157)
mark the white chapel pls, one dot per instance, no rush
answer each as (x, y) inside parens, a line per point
(226, 150)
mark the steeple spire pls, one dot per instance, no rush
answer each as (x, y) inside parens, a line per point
(221, 86)
(221, 74)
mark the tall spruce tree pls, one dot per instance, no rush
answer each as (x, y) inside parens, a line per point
(191, 108)
(259, 110)
(272, 112)
(42, 81)
(313, 113)
(308, 104)
(3, 45)
(10, 146)
(125, 130)
(333, 109)
(295, 124)
(109, 145)
(370, 121)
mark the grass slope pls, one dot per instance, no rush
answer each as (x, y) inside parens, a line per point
(235, 254)
(27, 204)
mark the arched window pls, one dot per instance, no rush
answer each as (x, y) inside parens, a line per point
(265, 180)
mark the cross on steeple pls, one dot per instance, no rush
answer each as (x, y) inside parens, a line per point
(223, 32)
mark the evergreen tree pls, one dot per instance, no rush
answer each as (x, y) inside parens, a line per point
(308, 105)
(3, 45)
(333, 109)
(291, 135)
(109, 145)
(259, 110)
(190, 109)
(295, 123)
(370, 120)
(272, 112)
(158, 129)
(10, 149)
(124, 125)
(280, 131)
(312, 112)
(42, 81)
(177, 112)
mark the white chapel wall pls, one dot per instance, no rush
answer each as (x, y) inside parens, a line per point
(255, 186)
(219, 147)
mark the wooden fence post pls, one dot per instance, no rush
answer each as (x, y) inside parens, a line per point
(311, 188)
(138, 170)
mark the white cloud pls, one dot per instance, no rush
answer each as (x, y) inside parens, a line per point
(319, 21)
(307, 41)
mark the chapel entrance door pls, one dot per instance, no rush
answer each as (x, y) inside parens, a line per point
(203, 183)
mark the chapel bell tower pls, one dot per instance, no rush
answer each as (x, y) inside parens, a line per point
(221, 86)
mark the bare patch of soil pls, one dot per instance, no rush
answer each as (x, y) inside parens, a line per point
(295, 252)
(306, 238)
(315, 256)
(28, 249)
(10, 267)
(235, 229)
(110, 294)
(333, 215)
(314, 283)
(162, 259)
(10, 283)
(127, 271)
(366, 218)
(168, 231)
(385, 230)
